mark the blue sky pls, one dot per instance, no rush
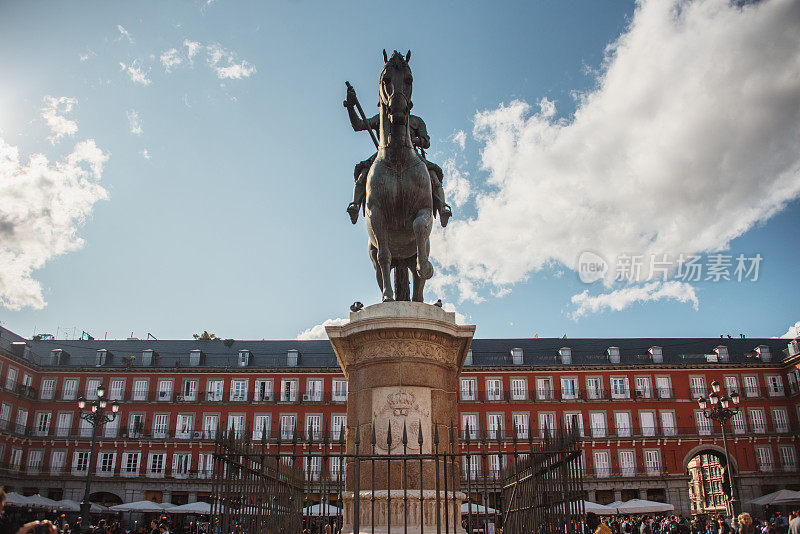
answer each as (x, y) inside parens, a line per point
(222, 168)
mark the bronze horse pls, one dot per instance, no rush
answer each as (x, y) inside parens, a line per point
(399, 204)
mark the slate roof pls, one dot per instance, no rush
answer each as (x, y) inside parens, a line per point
(272, 354)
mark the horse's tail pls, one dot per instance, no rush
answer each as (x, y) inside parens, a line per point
(402, 289)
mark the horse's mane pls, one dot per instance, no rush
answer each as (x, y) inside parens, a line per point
(397, 61)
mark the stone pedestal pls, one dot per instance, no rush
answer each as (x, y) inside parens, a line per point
(402, 361)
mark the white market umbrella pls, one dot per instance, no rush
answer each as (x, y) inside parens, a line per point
(640, 506)
(321, 510)
(783, 496)
(15, 499)
(599, 509)
(68, 505)
(197, 508)
(38, 501)
(476, 508)
(143, 506)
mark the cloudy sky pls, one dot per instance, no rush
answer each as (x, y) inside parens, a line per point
(615, 168)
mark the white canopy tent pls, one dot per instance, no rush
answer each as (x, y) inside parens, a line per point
(38, 501)
(196, 508)
(598, 509)
(779, 497)
(641, 506)
(15, 499)
(143, 506)
(467, 507)
(322, 510)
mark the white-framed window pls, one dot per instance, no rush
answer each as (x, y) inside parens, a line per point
(544, 388)
(210, 425)
(757, 421)
(261, 424)
(664, 387)
(214, 390)
(263, 390)
(236, 424)
(764, 458)
(494, 389)
(238, 390)
(469, 421)
(652, 461)
(335, 467)
(111, 428)
(647, 420)
(135, 424)
(668, 427)
(140, 390)
(165, 389)
(117, 390)
(69, 389)
(751, 386)
(22, 419)
(27, 380)
(339, 426)
(57, 459)
(731, 384)
(156, 463)
(314, 390)
(11, 378)
(63, 424)
(472, 466)
(494, 425)
(312, 467)
(622, 422)
(130, 463)
(34, 461)
(289, 390)
(106, 462)
(619, 387)
(181, 463)
(643, 389)
(91, 388)
(494, 466)
(287, 426)
(594, 388)
(468, 389)
(42, 423)
(574, 420)
(547, 424)
(314, 426)
(184, 425)
(205, 464)
(775, 385)
(160, 425)
(602, 463)
(48, 388)
(697, 386)
(788, 456)
(16, 459)
(519, 389)
(521, 421)
(738, 424)
(704, 427)
(627, 463)
(80, 462)
(569, 388)
(5, 415)
(780, 419)
(598, 422)
(339, 390)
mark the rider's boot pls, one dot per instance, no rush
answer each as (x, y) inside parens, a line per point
(353, 210)
(444, 214)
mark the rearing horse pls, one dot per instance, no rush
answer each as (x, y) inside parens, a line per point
(399, 204)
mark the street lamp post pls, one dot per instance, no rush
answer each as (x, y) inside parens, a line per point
(721, 411)
(97, 416)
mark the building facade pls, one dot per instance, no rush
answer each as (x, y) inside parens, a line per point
(633, 401)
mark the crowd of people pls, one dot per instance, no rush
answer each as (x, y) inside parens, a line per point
(775, 523)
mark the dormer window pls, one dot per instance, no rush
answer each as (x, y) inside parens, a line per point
(656, 354)
(516, 356)
(722, 353)
(468, 359)
(613, 354)
(292, 357)
(565, 353)
(58, 356)
(244, 358)
(195, 357)
(102, 357)
(763, 352)
(21, 349)
(148, 358)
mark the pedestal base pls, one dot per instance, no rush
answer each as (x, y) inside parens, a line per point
(394, 522)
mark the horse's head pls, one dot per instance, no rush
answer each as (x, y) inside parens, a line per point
(395, 87)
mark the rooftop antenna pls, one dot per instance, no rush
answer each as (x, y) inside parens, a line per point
(149, 336)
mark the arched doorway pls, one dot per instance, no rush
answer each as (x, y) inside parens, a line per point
(105, 498)
(709, 488)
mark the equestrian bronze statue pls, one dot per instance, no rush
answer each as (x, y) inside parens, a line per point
(399, 190)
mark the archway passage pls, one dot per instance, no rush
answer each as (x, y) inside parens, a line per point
(105, 498)
(709, 490)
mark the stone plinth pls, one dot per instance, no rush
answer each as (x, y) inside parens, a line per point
(402, 361)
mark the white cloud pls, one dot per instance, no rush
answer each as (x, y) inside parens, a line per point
(192, 48)
(134, 122)
(170, 58)
(224, 63)
(53, 113)
(318, 331)
(620, 299)
(690, 137)
(123, 34)
(460, 138)
(456, 184)
(793, 331)
(86, 56)
(145, 153)
(44, 205)
(136, 72)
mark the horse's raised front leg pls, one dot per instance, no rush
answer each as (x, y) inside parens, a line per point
(422, 231)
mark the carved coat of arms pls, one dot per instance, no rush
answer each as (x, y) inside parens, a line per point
(399, 406)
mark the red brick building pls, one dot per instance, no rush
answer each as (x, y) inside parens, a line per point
(633, 400)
